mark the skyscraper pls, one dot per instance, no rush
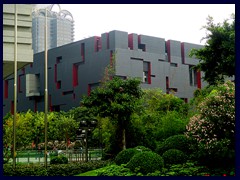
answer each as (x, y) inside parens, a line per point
(60, 27)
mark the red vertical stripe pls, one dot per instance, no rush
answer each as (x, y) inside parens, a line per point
(75, 75)
(182, 53)
(149, 73)
(199, 83)
(83, 51)
(169, 51)
(55, 73)
(111, 58)
(139, 39)
(35, 106)
(167, 85)
(50, 103)
(19, 83)
(107, 40)
(6, 89)
(130, 41)
(89, 89)
(12, 107)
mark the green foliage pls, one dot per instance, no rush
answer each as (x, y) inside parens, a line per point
(116, 99)
(173, 123)
(214, 126)
(180, 142)
(60, 159)
(125, 155)
(115, 170)
(186, 169)
(217, 58)
(52, 170)
(154, 100)
(174, 156)
(146, 162)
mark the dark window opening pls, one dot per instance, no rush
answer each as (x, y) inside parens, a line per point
(59, 85)
(142, 47)
(133, 58)
(174, 64)
(56, 108)
(67, 92)
(83, 51)
(167, 85)
(59, 59)
(193, 76)
(146, 72)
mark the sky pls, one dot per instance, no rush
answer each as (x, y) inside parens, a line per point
(181, 22)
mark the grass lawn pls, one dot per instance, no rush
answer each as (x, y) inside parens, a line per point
(90, 173)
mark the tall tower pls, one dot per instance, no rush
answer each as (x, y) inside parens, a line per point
(60, 27)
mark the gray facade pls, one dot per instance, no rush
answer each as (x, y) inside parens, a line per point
(60, 29)
(77, 68)
(24, 37)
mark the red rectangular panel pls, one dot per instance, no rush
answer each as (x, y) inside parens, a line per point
(149, 73)
(6, 89)
(130, 41)
(199, 83)
(75, 75)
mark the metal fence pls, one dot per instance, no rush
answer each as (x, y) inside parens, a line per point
(37, 156)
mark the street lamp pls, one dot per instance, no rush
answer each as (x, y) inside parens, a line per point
(15, 87)
(46, 91)
(86, 127)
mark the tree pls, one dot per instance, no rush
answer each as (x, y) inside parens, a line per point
(217, 58)
(115, 99)
(214, 126)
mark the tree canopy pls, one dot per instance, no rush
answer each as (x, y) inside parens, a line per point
(217, 58)
(115, 99)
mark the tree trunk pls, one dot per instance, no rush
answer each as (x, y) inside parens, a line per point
(124, 139)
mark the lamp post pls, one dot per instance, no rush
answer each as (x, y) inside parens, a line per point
(15, 88)
(87, 127)
(46, 91)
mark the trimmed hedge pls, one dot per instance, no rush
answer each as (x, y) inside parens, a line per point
(174, 156)
(180, 142)
(146, 162)
(124, 156)
(52, 170)
(61, 159)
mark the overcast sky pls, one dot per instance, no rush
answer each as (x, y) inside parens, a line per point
(180, 22)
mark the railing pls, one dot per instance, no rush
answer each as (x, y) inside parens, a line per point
(37, 156)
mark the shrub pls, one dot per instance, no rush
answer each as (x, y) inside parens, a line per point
(59, 160)
(52, 170)
(180, 142)
(115, 170)
(125, 155)
(214, 126)
(145, 162)
(174, 156)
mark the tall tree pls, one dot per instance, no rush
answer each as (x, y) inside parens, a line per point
(115, 99)
(217, 58)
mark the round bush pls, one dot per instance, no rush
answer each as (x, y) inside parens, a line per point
(174, 156)
(59, 160)
(180, 142)
(124, 156)
(146, 162)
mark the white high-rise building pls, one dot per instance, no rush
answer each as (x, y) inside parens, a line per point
(60, 27)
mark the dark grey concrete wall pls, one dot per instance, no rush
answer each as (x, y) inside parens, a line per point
(64, 95)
